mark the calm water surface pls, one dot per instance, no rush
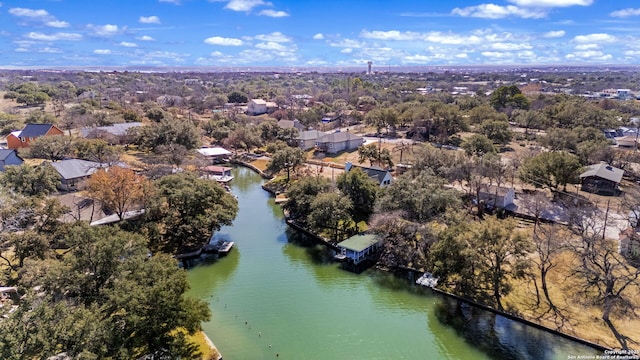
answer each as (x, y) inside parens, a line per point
(275, 295)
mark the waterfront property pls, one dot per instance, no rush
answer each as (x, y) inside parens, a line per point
(339, 141)
(215, 154)
(220, 174)
(360, 247)
(380, 176)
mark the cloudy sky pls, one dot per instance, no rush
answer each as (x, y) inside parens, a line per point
(44, 33)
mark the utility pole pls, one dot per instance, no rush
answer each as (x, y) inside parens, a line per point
(606, 216)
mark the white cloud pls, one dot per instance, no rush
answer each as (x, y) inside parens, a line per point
(53, 37)
(551, 3)
(175, 2)
(57, 24)
(554, 34)
(346, 50)
(271, 46)
(21, 49)
(29, 12)
(497, 54)
(595, 38)
(245, 5)
(149, 19)
(40, 16)
(274, 36)
(626, 13)
(50, 50)
(390, 35)
(318, 36)
(273, 13)
(102, 51)
(145, 38)
(217, 40)
(128, 44)
(632, 52)
(434, 37)
(589, 55)
(492, 11)
(462, 55)
(510, 46)
(583, 47)
(347, 43)
(104, 30)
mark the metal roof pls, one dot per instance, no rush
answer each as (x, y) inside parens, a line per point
(76, 168)
(4, 153)
(359, 242)
(35, 130)
(115, 129)
(214, 151)
(338, 137)
(604, 171)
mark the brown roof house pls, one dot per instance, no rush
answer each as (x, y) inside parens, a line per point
(601, 179)
(20, 139)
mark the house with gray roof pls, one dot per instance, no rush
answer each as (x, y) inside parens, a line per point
(9, 157)
(117, 132)
(601, 179)
(74, 172)
(380, 176)
(307, 139)
(339, 141)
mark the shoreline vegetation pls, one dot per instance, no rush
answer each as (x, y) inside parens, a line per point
(574, 336)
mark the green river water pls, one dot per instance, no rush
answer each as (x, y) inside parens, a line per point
(275, 297)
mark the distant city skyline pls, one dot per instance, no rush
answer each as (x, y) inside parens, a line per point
(288, 33)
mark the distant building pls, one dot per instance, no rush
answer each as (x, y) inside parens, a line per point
(112, 132)
(9, 157)
(307, 139)
(339, 141)
(257, 107)
(74, 172)
(21, 139)
(380, 176)
(601, 179)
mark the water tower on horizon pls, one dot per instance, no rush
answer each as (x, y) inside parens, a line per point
(369, 67)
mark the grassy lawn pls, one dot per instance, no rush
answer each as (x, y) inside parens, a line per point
(260, 164)
(204, 347)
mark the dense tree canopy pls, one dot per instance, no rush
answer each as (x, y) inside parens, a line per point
(105, 298)
(31, 180)
(185, 209)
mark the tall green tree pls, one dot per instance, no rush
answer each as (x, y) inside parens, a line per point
(105, 297)
(185, 210)
(360, 189)
(552, 169)
(331, 211)
(497, 131)
(52, 148)
(31, 180)
(288, 158)
(300, 195)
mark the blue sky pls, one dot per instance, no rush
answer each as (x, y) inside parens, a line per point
(47, 33)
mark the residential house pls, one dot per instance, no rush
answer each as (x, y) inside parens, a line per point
(169, 100)
(307, 139)
(338, 141)
(601, 179)
(494, 197)
(380, 176)
(115, 133)
(291, 124)
(359, 247)
(218, 173)
(74, 172)
(9, 157)
(257, 107)
(21, 139)
(216, 154)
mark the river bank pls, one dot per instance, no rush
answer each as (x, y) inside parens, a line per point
(578, 335)
(282, 290)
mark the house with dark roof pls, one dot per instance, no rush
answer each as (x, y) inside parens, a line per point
(9, 157)
(380, 176)
(338, 141)
(21, 139)
(601, 179)
(74, 172)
